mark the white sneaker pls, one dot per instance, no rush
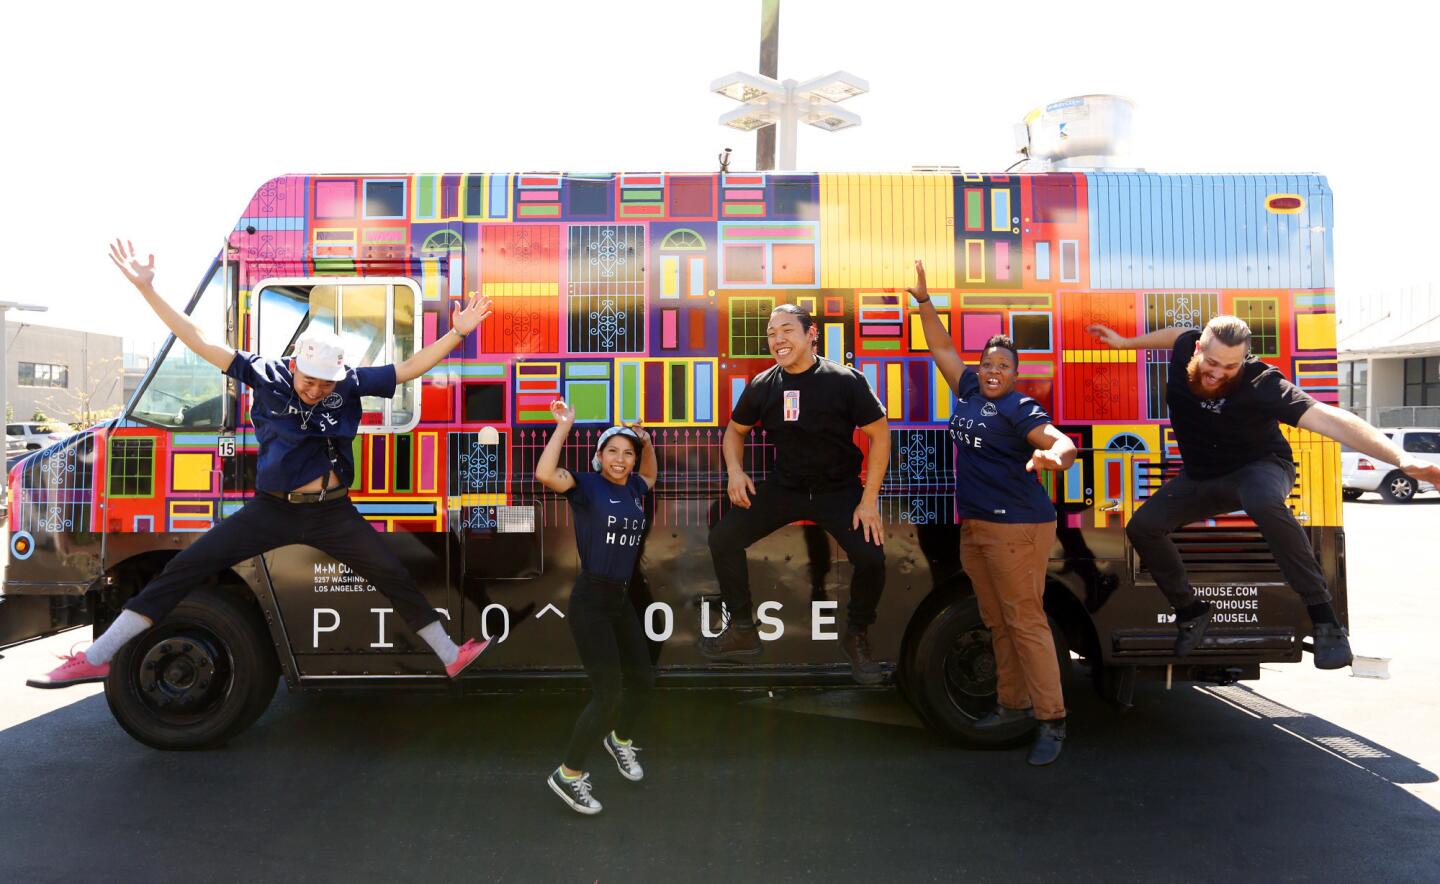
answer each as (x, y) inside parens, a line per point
(575, 793)
(625, 759)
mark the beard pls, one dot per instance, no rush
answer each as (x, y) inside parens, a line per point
(1192, 378)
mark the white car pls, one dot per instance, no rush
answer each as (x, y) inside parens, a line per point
(33, 435)
(1361, 472)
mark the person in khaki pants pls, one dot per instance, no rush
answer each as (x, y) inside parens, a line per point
(1000, 436)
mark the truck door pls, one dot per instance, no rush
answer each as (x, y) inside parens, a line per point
(330, 614)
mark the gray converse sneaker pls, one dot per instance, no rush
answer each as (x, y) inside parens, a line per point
(575, 793)
(624, 755)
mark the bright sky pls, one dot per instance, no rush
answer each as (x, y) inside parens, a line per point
(159, 125)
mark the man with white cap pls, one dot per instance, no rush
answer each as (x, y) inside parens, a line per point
(305, 411)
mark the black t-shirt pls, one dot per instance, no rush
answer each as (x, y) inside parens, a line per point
(1219, 436)
(811, 419)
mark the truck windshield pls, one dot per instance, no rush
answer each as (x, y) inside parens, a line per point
(185, 390)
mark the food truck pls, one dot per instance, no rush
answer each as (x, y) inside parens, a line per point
(645, 297)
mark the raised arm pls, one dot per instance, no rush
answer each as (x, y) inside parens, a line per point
(649, 468)
(462, 323)
(1347, 429)
(548, 471)
(142, 276)
(1161, 339)
(942, 348)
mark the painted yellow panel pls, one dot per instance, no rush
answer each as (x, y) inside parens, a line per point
(1318, 479)
(917, 331)
(873, 227)
(1315, 331)
(191, 472)
(894, 392)
(521, 289)
(1105, 355)
(669, 276)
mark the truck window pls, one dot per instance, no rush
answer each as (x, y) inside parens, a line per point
(375, 318)
(1422, 443)
(183, 390)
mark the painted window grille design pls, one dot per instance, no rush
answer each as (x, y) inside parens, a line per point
(56, 489)
(477, 479)
(1163, 310)
(1259, 314)
(132, 467)
(607, 289)
(520, 269)
(748, 319)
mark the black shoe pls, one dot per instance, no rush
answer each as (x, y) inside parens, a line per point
(1048, 739)
(1332, 646)
(1192, 631)
(575, 793)
(735, 641)
(855, 645)
(1002, 716)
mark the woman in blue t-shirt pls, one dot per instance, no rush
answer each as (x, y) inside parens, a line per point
(1001, 437)
(609, 509)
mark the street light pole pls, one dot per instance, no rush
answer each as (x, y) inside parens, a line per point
(765, 101)
(769, 67)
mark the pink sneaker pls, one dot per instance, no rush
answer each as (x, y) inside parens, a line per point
(75, 670)
(469, 653)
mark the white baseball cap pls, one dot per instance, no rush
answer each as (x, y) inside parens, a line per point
(321, 354)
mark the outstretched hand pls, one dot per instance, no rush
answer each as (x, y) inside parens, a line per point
(638, 429)
(1108, 336)
(1422, 470)
(563, 413)
(1045, 459)
(919, 291)
(465, 320)
(123, 255)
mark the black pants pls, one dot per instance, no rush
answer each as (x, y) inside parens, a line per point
(772, 507)
(612, 647)
(334, 527)
(1261, 489)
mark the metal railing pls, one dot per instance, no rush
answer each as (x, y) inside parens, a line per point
(1409, 416)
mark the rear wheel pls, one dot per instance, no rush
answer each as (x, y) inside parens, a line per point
(197, 678)
(1397, 488)
(953, 677)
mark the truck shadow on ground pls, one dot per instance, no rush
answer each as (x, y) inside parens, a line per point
(1196, 783)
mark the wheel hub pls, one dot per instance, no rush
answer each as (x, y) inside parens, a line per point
(970, 665)
(178, 674)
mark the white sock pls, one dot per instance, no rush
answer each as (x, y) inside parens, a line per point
(439, 641)
(126, 626)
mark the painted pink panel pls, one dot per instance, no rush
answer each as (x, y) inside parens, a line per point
(431, 324)
(335, 199)
(427, 462)
(667, 329)
(1002, 260)
(977, 328)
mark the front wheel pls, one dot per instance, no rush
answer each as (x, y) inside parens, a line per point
(1397, 488)
(197, 678)
(953, 681)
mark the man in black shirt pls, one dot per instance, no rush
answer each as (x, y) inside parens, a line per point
(1225, 408)
(810, 408)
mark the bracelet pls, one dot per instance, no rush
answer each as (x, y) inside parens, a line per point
(924, 300)
(457, 333)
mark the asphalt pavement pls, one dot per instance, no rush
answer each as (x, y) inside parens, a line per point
(1302, 776)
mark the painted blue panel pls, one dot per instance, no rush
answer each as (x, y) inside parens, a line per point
(737, 386)
(499, 195)
(704, 384)
(1042, 261)
(1206, 232)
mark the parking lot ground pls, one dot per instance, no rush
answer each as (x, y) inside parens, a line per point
(1304, 775)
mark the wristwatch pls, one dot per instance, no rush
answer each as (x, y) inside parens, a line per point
(458, 333)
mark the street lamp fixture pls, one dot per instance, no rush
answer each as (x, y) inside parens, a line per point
(767, 101)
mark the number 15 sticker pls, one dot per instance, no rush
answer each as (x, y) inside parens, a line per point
(226, 446)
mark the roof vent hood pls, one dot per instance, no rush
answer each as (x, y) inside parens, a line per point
(1084, 132)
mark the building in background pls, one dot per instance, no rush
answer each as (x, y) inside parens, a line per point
(66, 375)
(1389, 351)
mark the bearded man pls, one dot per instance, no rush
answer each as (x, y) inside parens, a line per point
(1226, 407)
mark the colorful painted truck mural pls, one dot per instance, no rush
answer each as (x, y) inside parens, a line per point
(645, 297)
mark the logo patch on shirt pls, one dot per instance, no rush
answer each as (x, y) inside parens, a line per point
(1215, 405)
(334, 400)
(989, 410)
(792, 405)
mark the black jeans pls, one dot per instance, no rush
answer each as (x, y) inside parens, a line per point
(334, 527)
(1261, 489)
(612, 647)
(772, 507)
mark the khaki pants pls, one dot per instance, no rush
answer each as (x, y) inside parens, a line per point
(1006, 563)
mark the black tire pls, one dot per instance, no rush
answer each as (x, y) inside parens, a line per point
(1398, 488)
(953, 681)
(197, 678)
(1350, 493)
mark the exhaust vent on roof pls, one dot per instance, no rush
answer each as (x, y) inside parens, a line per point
(1085, 132)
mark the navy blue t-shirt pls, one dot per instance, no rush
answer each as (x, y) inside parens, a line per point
(299, 442)
(609, 522)
(991, 451)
